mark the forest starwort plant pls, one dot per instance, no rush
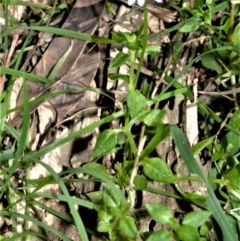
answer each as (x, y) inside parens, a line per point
(140, 2)
(115, 202)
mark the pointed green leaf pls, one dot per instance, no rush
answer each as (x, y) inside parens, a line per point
(140, 183)
(233, 176)
(136, 102)
(162, 235)
(159, 213)
(99, 168)
(196, 218)
(157, 170)
(127, 227)
(119, 60)
(105, 143)
(188, 233)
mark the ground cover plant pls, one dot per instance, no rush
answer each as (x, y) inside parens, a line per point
(126, 125)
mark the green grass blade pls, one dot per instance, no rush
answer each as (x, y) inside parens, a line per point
(60, 197)
(37, 222)
(213, 205)
(73, 34)
(25, 234)
(73, 135)
(97, 175)
(14, 72)
(77, 219)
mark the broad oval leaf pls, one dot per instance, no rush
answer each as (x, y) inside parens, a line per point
(119, 60)
(135, 102)
(111, 198)
(233, 176)
(99, 168)
(235, 120)
(191, 26)
(196, 218)
(127, 227)
(105, 143)
(209, 61)
(188, 233)
(162, 235)
(157, 170)
(236, 35)
(234, 57)
(153, 117)
(140, 183)
(159, 213)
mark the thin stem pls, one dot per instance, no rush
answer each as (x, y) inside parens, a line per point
(144, 43)
(131, 73)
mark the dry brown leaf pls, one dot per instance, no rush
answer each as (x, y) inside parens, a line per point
(76, 70)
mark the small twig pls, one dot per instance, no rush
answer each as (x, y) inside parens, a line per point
(196, 39)
(227, 92)
(8, 59)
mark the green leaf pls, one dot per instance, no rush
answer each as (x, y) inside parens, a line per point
(157, 170)
(110, 197)
(234, 57)
(162, 235)
(119, 37)
(196, 149)
(120, 59)
(152, 49)
(162, 133)
(188, 233)
(235, 60)
(191, 26)
(140, 183)
(233, 176)
(209, 61)
(116, 76)
(206, 228)
(153, 117)
(196, 218)
(106, 141)
(236, 35)
(103, 214)
(136, 102)
(98, 168)
(95, 197)
(123, 172)
(159, 213)
(231, 143)
(104, 227)
(234, 122)
(177, 50)
(127, 227)
(121, 211)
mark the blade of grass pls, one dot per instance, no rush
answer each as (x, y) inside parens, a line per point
(35, 221)
(96, 175)
(77, 219)
(60, 197)
(33, 77)
(74, 135)
(53, 94)
(213, 205)
(72, 34)
(25, 234)
(22, 140)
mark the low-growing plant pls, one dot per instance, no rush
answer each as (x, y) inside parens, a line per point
(218, 213)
